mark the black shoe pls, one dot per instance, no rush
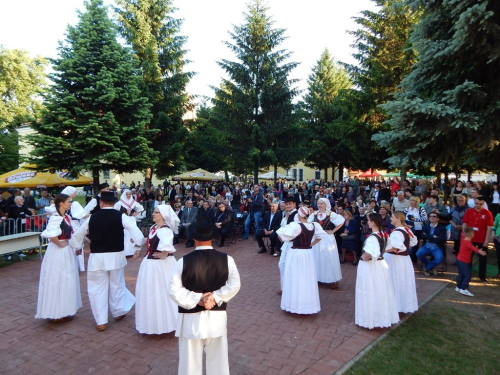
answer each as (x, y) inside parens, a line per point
(221, 244)
(262, 250)
(485, 280)
(189, 244)
(271, 252)
(175, 241)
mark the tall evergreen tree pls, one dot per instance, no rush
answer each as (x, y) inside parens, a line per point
(254, 105)
(96, 116)
(449, 104)
(325, 83)
(384, 57)
(153, 33)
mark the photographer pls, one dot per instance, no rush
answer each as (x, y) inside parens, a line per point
(415, 217)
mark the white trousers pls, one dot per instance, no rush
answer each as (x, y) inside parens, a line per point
(191, 356)
(81, 262)
(108, 287)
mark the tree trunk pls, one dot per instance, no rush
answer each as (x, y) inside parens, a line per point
(95, 176)
(341, 172)
(275, 174)
(226, 176)
(469, 174)
(446, 187)
(326, 174)
(148, 175)
(403, 174)
(438, 177)
(256, 174)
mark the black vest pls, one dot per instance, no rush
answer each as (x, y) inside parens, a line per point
(204, 271)
(106, 231)
(98, 206)
(291, 217)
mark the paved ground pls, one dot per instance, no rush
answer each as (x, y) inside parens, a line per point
(262, 338)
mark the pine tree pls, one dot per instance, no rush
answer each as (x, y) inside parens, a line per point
(449, 102)
(254, 105)
(384, 57)
(153, 33)
(96, 116)
(325, 83)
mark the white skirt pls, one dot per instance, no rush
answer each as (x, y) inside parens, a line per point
(403, 281)
(129, 248)
(326, 259)
(59, 289)
(375, 299)
(155, 311)
(300, 285)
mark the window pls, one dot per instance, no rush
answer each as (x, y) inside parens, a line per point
(294, 173)
(105, 173)
(301, 174)
(317, 175)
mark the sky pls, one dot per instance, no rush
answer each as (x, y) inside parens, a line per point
(311, 26)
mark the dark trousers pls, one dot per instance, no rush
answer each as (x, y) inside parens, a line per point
(272, 238)
(464, 274)
(223, 232)
(456, 246)
(482, 260)
(497, 249)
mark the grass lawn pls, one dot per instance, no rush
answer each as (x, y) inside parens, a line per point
(452, 334)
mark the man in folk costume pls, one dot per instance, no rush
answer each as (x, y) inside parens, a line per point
(93, 206)
(202, 283)
(128, 206)
(105, 268)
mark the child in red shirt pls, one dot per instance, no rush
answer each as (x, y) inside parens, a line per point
(464, 261)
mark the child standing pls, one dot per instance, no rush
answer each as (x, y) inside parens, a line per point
(464, 261)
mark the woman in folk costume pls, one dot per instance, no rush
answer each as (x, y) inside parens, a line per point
(300, 293)
(326, 254)
(76, 213)
(129, 207)
(59, 295)
(155, 312)
(375, 300)
(400, 265)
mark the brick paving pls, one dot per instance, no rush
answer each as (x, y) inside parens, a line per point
(263, 339)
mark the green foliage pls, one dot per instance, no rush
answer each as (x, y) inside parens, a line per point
(22, 81)
(384, 57)
(254, 106)
(450, 100)
(152, 32)
(96, 116)
(9, 149)
(321, 113)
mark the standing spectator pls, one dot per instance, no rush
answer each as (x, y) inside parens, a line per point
(495, 200)
(481, 221)
(421, 188)
(496, 241)
(257, 206)
(188, 216)
(29, 201)
(43, 202)
(473, 194)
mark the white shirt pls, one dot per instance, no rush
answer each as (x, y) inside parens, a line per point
(205, 324)
(107, 261)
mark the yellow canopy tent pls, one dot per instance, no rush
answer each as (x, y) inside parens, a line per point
(26, 177)
(197, 175)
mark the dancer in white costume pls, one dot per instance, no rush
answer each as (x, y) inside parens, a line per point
(155, 311)
(300, 284)
(375, 299)
(59, 295)
(289, 216)
(326, 254)
(400, 265)
(128, 206)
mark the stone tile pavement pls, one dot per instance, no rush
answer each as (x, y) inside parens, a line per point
(263, 339)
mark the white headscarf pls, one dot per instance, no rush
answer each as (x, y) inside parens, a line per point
(69, 191)
(328, 208)
(170, 217)
(127, 203)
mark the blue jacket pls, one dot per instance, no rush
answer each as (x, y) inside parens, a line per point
(439, 232)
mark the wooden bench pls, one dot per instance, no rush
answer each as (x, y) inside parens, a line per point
(18, 242)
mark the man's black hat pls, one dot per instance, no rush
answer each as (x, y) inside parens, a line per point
(103, 185)
(289, 199)
(107, 196)
(203, 229)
